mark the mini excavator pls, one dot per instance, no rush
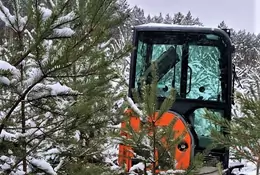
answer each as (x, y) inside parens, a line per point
(197, 62)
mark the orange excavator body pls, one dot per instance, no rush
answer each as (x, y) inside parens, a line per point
(182, 157)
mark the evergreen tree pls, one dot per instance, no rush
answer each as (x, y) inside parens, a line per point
(189, 20)
(181, 19)
(243, 130)
(178, 18)
(56, 72)
(137, 16)
(158, 19)
(149, 19)
(223, 25)
(167, 19)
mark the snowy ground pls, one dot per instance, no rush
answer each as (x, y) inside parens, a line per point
(111, 152)
(249, 169)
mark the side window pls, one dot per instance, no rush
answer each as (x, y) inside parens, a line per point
(205, 73)
(140, 61)
(201, 125)
(172, 77)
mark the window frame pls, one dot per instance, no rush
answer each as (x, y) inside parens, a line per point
(184, 59)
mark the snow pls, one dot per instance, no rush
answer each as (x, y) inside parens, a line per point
(77, 135)
(57, 88)
(5, 15)
(171, 172)
(52, 151)
(63, 32)
(43, 165)
(4, 80)
(249, 169)
(46, 13)
(173, 25)
(33, 74)
(66, 18)
(46, 57)
(135, 108)
(139, 166)
(7, 136)
(7, 67)
(5, 166)
(11, 20)
(18, 172)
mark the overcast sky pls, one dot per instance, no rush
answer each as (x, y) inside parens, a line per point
(238, 14)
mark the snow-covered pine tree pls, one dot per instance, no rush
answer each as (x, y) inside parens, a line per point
(167, 19)
(222, 25)
(149, 18)
(158, 19)
(56, 72)
(247, 45)
(243, 130)
(177, 18)
(137, 16)
(189, 20)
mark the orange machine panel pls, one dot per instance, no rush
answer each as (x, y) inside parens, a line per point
(183, 152)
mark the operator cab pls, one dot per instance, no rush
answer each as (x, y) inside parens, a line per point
(196, 62)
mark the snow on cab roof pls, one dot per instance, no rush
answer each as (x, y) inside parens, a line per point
(187, 28)
(162, 26)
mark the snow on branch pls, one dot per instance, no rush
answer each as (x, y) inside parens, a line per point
(136, 109)
(43, 165)
(57, 88)
(50, 90)
(8, 67)
(7, 136)
(5, 66)
(4, 80)
(139, 166)
(15, 22)
(46, 13)
(63, 32)
(65, 19)
(6, 163)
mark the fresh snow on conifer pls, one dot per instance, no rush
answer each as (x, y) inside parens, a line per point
(16, 22)
(46, 13)
(135, 108)
(57, 89)
(4, 80)
(43, 165)
(63, 32)
(7, 67)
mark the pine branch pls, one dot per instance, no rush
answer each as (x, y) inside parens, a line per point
(73, 76)
(47, 110)
(66, 22)
(6, 16)
(27, 153)
(53, 96)
(22, 97)
(42, 36)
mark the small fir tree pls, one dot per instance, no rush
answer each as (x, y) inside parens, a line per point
(243, 130)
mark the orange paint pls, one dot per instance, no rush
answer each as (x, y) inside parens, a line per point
(182, 158)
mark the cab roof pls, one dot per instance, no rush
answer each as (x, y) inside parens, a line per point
(182, 28)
